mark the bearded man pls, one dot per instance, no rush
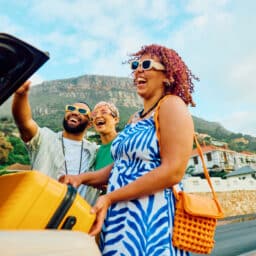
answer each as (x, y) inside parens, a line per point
(56, 153)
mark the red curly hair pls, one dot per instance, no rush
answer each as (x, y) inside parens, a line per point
(177, 72)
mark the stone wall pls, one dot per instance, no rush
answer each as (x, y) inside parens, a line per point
(236, 202)
(196, 184)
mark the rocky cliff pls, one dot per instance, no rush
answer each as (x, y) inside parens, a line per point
(49, 99)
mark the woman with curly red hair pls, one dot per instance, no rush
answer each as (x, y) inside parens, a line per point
(150, 157)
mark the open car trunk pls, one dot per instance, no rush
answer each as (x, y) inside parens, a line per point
(18, 61)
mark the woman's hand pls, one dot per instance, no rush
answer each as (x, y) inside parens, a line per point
(100, 209)
(73, 180)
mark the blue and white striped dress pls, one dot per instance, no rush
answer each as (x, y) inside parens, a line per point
(142, 226)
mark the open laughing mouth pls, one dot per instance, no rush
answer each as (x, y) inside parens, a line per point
(100, 122)
(73, 120)
(140, 81)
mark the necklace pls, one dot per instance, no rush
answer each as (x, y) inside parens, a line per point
(143, 115)
(63, 150)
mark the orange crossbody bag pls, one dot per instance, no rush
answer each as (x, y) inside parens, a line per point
(196, 216)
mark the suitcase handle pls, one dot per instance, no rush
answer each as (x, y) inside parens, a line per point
(69, 222)
(63, 208)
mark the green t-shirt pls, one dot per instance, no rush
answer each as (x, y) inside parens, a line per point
(103, 156)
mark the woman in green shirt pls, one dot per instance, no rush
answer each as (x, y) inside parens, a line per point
(105, 117)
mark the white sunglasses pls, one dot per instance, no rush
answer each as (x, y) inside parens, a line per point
(147, 64)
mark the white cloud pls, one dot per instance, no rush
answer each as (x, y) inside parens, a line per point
(215, 39)
(241, 78)
(98, 31)
(7, 26)
(218, 45)
(36, 79)
(206, 6)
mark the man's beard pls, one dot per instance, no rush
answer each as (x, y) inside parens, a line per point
(75, 130)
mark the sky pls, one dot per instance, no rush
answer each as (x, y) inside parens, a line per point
(215, 38)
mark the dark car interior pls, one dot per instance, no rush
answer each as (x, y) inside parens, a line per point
(18, 61)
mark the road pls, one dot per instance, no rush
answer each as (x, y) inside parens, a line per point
(235, 239)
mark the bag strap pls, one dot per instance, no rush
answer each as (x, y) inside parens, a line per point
(207, 176)
(206, 173)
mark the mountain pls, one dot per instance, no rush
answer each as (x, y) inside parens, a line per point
(212, 128)
(49, 99)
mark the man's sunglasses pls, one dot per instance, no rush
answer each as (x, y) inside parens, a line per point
(72, 108)
(147, 65)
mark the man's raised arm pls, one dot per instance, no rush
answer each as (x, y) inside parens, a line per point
(22, 113)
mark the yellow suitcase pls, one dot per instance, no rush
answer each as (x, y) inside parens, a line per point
(32, 200)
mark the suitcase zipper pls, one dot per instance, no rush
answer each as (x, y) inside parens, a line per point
(63, 208)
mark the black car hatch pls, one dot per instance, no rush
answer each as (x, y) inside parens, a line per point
(18, 61)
